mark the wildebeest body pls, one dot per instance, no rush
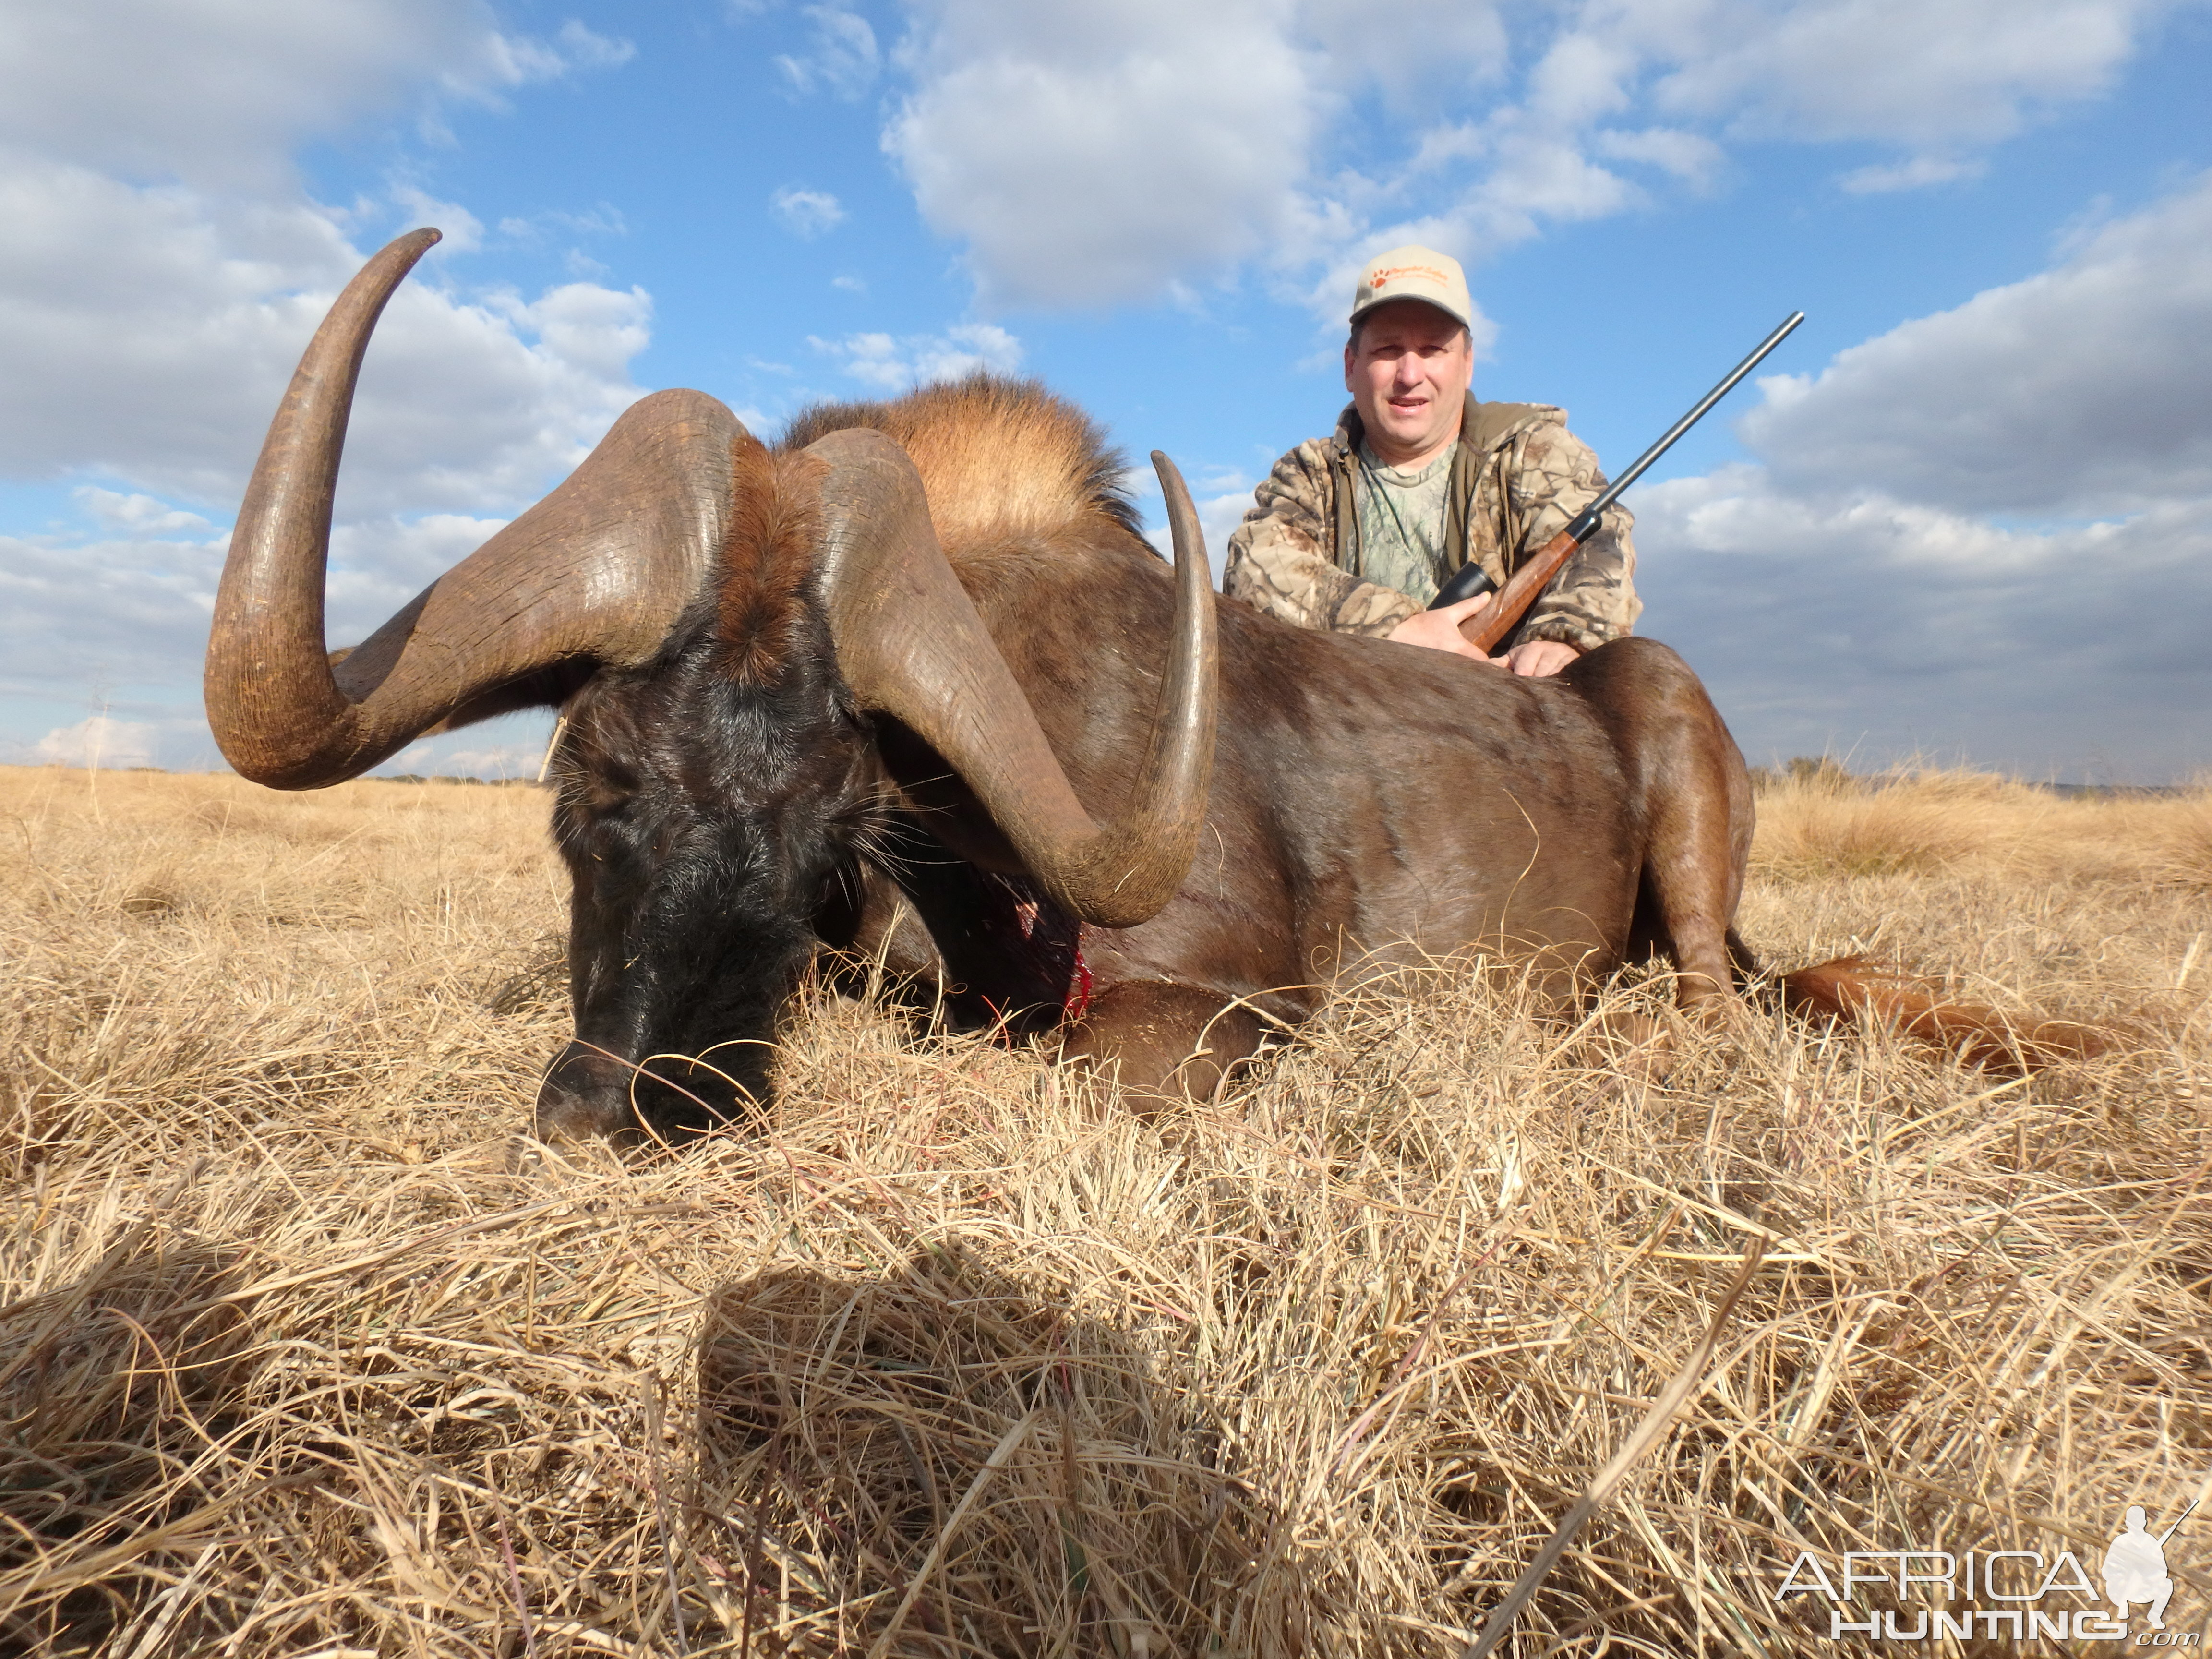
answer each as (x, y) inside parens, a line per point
(793, 681)
(1369, 802)
(1367, 798)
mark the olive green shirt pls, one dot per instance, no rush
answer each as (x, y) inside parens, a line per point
(1402, 522)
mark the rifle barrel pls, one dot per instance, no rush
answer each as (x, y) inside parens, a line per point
(1470, 580)
(1643, 462)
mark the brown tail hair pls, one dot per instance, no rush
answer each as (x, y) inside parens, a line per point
(1845, 989)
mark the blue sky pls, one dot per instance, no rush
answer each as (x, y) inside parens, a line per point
(1962, 515)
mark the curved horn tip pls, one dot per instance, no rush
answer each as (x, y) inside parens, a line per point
(385, 269)
(1172, 487)
(1184, 527)
(404, 250)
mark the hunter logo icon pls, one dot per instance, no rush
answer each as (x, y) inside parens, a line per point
(2018, 1595)
(2135, 1567)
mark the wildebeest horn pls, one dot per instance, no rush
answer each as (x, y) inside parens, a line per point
(910, 644)
(595, 573)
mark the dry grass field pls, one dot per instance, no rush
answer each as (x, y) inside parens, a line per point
(298, 1356)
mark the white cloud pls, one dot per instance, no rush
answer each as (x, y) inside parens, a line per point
(514, 60)
(218, 94)
(377, 565)
(1092, 154)
(132, 606)
(149, 332)
(468, 754)
(1859, 622)
(891, 364)
(1898, 72)
(160, 90)
(462, 229)
(806, 213)
(162, 271)
(1219, 515)
(135, 514)
(1689, 156)
(1918, 173)
(1222, 495)
(85, 619)
(79, 610)
(466, 405)
(97, 742)
(845, 60)
(1430, 49)
(2080, 389)
(604, 220)
(1880, 579)
(1161, 143)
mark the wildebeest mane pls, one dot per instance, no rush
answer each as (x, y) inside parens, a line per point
(999, 458)
(767, 553)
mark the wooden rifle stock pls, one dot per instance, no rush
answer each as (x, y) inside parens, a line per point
(1487, 626)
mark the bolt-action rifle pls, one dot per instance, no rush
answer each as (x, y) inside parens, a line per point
(1487, 626)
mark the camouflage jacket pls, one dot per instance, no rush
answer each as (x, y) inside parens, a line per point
(1517, 477)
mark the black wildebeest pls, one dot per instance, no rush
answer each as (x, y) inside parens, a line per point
(923, 644)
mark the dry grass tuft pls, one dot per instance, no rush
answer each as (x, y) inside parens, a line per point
(951, 1358)
(1818, 821)
(2184, 844)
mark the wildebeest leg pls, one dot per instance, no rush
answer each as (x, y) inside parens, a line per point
(1693, 885)
(1166, 1042)
(1693, 795)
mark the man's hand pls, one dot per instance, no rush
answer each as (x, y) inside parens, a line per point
(1534, 657)
(1439, 630)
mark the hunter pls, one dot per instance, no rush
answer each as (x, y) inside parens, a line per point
(1357, 532)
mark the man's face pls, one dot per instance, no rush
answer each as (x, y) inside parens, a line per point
(1409, 377)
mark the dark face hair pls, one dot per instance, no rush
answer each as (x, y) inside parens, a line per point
(705, 824)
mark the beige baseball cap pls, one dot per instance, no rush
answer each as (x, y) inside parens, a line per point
(1413, 272)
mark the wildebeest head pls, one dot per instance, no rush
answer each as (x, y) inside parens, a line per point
(707, 806)
(721, 626)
